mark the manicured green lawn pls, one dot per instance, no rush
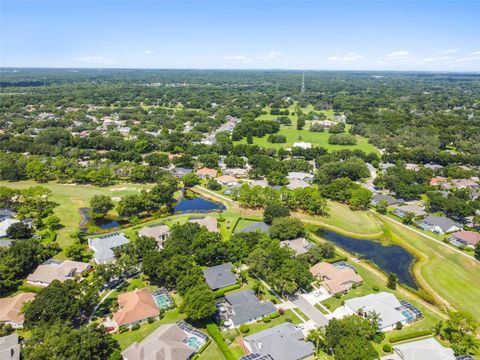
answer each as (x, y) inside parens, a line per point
(70, 198)
(212, 352)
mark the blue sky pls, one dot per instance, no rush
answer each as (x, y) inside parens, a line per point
(365, 35)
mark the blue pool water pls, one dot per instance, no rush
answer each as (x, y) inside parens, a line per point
(390, 258)
(193, 342)
(198, 205)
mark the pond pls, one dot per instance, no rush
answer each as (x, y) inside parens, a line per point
(197, 205)
(390, 258)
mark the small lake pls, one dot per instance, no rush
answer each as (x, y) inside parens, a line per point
(197, 205)
(106, 223)
(390, 258)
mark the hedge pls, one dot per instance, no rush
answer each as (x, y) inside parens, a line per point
(274, 315)
(413, 335)
(220, 292)
(216, 335)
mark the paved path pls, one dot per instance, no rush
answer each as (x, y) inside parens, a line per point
(427, 236)
(311, 311)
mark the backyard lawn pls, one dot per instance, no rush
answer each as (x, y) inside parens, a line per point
(70, 198)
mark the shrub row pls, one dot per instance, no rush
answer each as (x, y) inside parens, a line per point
(413, 335)
(220, 292)
(216, 335)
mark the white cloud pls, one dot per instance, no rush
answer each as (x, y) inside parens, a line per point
(400, 55)
(96, 60)
(351, 56)
(270, 55)
(448, 51)
(147, 52)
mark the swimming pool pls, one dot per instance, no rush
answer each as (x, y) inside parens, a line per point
(162, 299)
(408, 315)
(193, 342)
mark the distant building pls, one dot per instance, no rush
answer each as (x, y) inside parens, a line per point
(59, 270)
(281, 342)
(220, 276)
(5, 225)
(227, 180)
(103, 247)
(438, 180)
(180, 172)
(207, 173)
(303, 145)
(300, 176)
(6, 214)
(390, 200)
(135, 307)
(417, 211)
(256, 226)
(297, 184)
(158, 232)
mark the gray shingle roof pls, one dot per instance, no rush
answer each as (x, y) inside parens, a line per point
(219, 276)
(257, 226)
(282, 342)
(442, 222)
(377, 198)
(247, 307)
(104, 244)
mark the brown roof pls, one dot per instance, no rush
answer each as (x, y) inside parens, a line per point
(65, 270)
(165, 343)
(135, 306)
(207, 171)
(334, 279)
(10, 307)
(209, 222)
(154, 231)
(225, 179)
(469, 237)
(437, 180)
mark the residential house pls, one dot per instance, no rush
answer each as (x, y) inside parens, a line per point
(465, 239)
(256, 226)
(5, 224)
(11, 309)
(297, 184)
(209, 222)
(416, 210)
(262, 183)
(300, 176)
(220, 276)
(6, 214)
(207, 173)
(237, 172)
(465, 184)
(299, 246)
(9, 347)
(243, 307)
(336, 280)
(227, 180)
(158, 232)
(438, 180)
(410, 166)
(59, 270)
(390, 200)
(420, 350)
(303, 145)
(177, 341)
(439, 224)
(281, 342)
(103, 247)
(135, 307)
(433, 167)
(389, 309)
(180, 172)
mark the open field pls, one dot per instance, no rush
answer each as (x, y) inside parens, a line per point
(315, 138)
(72, 197)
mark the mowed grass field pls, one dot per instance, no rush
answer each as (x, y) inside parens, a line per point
(315, 138)
(70, 198)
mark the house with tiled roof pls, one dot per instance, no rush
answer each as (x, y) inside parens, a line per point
(336, 280)
(465, 239)
(207, 173)
(59, 270)
(135, 307)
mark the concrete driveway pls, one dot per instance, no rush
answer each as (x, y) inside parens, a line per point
(308, 309)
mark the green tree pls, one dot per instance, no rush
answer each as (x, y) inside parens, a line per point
(355, 348)
(19, 230)
(190, 180)
(286, 228)
(382, 207)
(101, 205)
(273, 211)
(477, 251)
(52, 222)
(460, 330)
(199, 303)
(392, 281)
(277, 178)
